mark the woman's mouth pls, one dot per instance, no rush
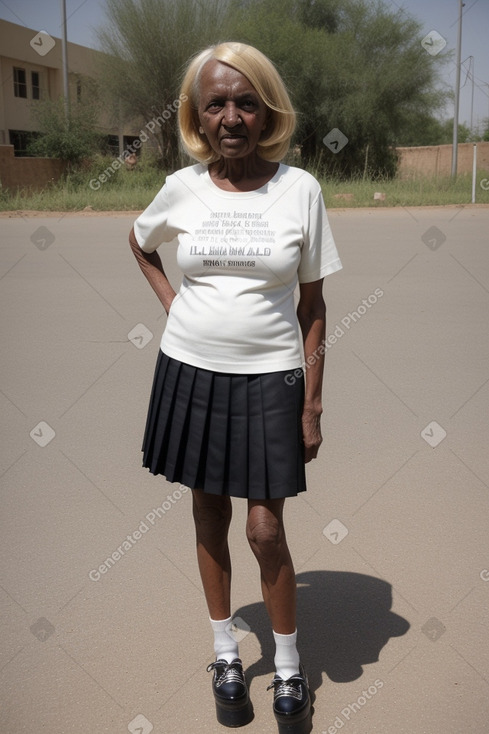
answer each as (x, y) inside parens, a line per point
(232, 136)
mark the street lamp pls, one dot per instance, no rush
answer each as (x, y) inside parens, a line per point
(64, 49)
(457, 92)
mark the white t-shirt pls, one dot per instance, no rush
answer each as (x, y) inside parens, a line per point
(242, 254)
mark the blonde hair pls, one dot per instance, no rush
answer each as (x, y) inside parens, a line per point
(264, 77)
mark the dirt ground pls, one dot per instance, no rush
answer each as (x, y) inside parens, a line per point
(104, 622)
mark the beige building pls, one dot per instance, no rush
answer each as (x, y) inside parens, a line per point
(31, 70)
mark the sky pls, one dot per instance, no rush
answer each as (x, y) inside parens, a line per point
(85, 16)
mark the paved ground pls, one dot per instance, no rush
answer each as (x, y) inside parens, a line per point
(391, 542)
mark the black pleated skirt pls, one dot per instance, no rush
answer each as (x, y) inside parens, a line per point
(227, 434)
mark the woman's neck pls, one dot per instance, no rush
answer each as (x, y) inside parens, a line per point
(242, 174)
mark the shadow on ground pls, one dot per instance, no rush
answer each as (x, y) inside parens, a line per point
(344, 621)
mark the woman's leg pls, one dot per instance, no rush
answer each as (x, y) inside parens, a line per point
(266, 536)
(212, 517)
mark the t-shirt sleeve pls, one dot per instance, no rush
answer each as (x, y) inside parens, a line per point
(152, 227)
(319, 254)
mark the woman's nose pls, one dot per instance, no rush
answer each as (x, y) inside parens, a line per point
(231, 116)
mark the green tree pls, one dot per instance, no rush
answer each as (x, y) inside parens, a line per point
(485, 130)
(464, 134)
(71, 137)
(427, 130)
(355, 65)
(147, 43)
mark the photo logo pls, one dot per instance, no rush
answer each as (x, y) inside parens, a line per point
(433, 434)
(42, 434)
(42, 629)
(433, 629)
(42, 43)
(335, 531)
(133, 538)
(348, 712)
(143, 137)
(335, 140)
(433, 238)
(140, 336)
(347, 322)
(140, 725)
(42, 238)
(238, 629)
(433, 43)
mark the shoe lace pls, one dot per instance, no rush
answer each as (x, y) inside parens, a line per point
(285, 687)
(230, 671)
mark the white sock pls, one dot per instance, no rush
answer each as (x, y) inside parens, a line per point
(286, 656)
(225, 646)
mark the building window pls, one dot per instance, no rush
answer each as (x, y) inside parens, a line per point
(36, 85)
(112, 144)
(128, 141)
(20, 82)
(20, 139)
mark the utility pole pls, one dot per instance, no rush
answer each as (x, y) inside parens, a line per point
(457, 92)
(472, 66)
(64, 48)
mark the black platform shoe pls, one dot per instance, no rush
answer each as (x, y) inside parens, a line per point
(233, 705)
(292, 704)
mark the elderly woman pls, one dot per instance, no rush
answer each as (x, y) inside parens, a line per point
(231, 414)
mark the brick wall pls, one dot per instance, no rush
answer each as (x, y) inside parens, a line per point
(28, 173)
(436, 160)
(429, 160)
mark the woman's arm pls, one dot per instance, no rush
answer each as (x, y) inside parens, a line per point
(150, 264)
(311, 313)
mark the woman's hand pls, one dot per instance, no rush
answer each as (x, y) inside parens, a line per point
(311, 313)
(150, 264)
(311, 430)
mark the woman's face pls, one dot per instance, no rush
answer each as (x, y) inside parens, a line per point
(230, 110)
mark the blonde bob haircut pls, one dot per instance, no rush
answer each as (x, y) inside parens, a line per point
(264, 77)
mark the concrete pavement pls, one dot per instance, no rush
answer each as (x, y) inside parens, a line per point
(104, 622)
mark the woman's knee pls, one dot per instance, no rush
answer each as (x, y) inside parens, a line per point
(212, 515)
(265, 533)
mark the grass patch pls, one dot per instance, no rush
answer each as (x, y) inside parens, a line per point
(97, 186)
(419, 192)
(103, 189)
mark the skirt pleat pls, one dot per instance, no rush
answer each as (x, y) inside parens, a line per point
(217, 469)
(227, 434)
